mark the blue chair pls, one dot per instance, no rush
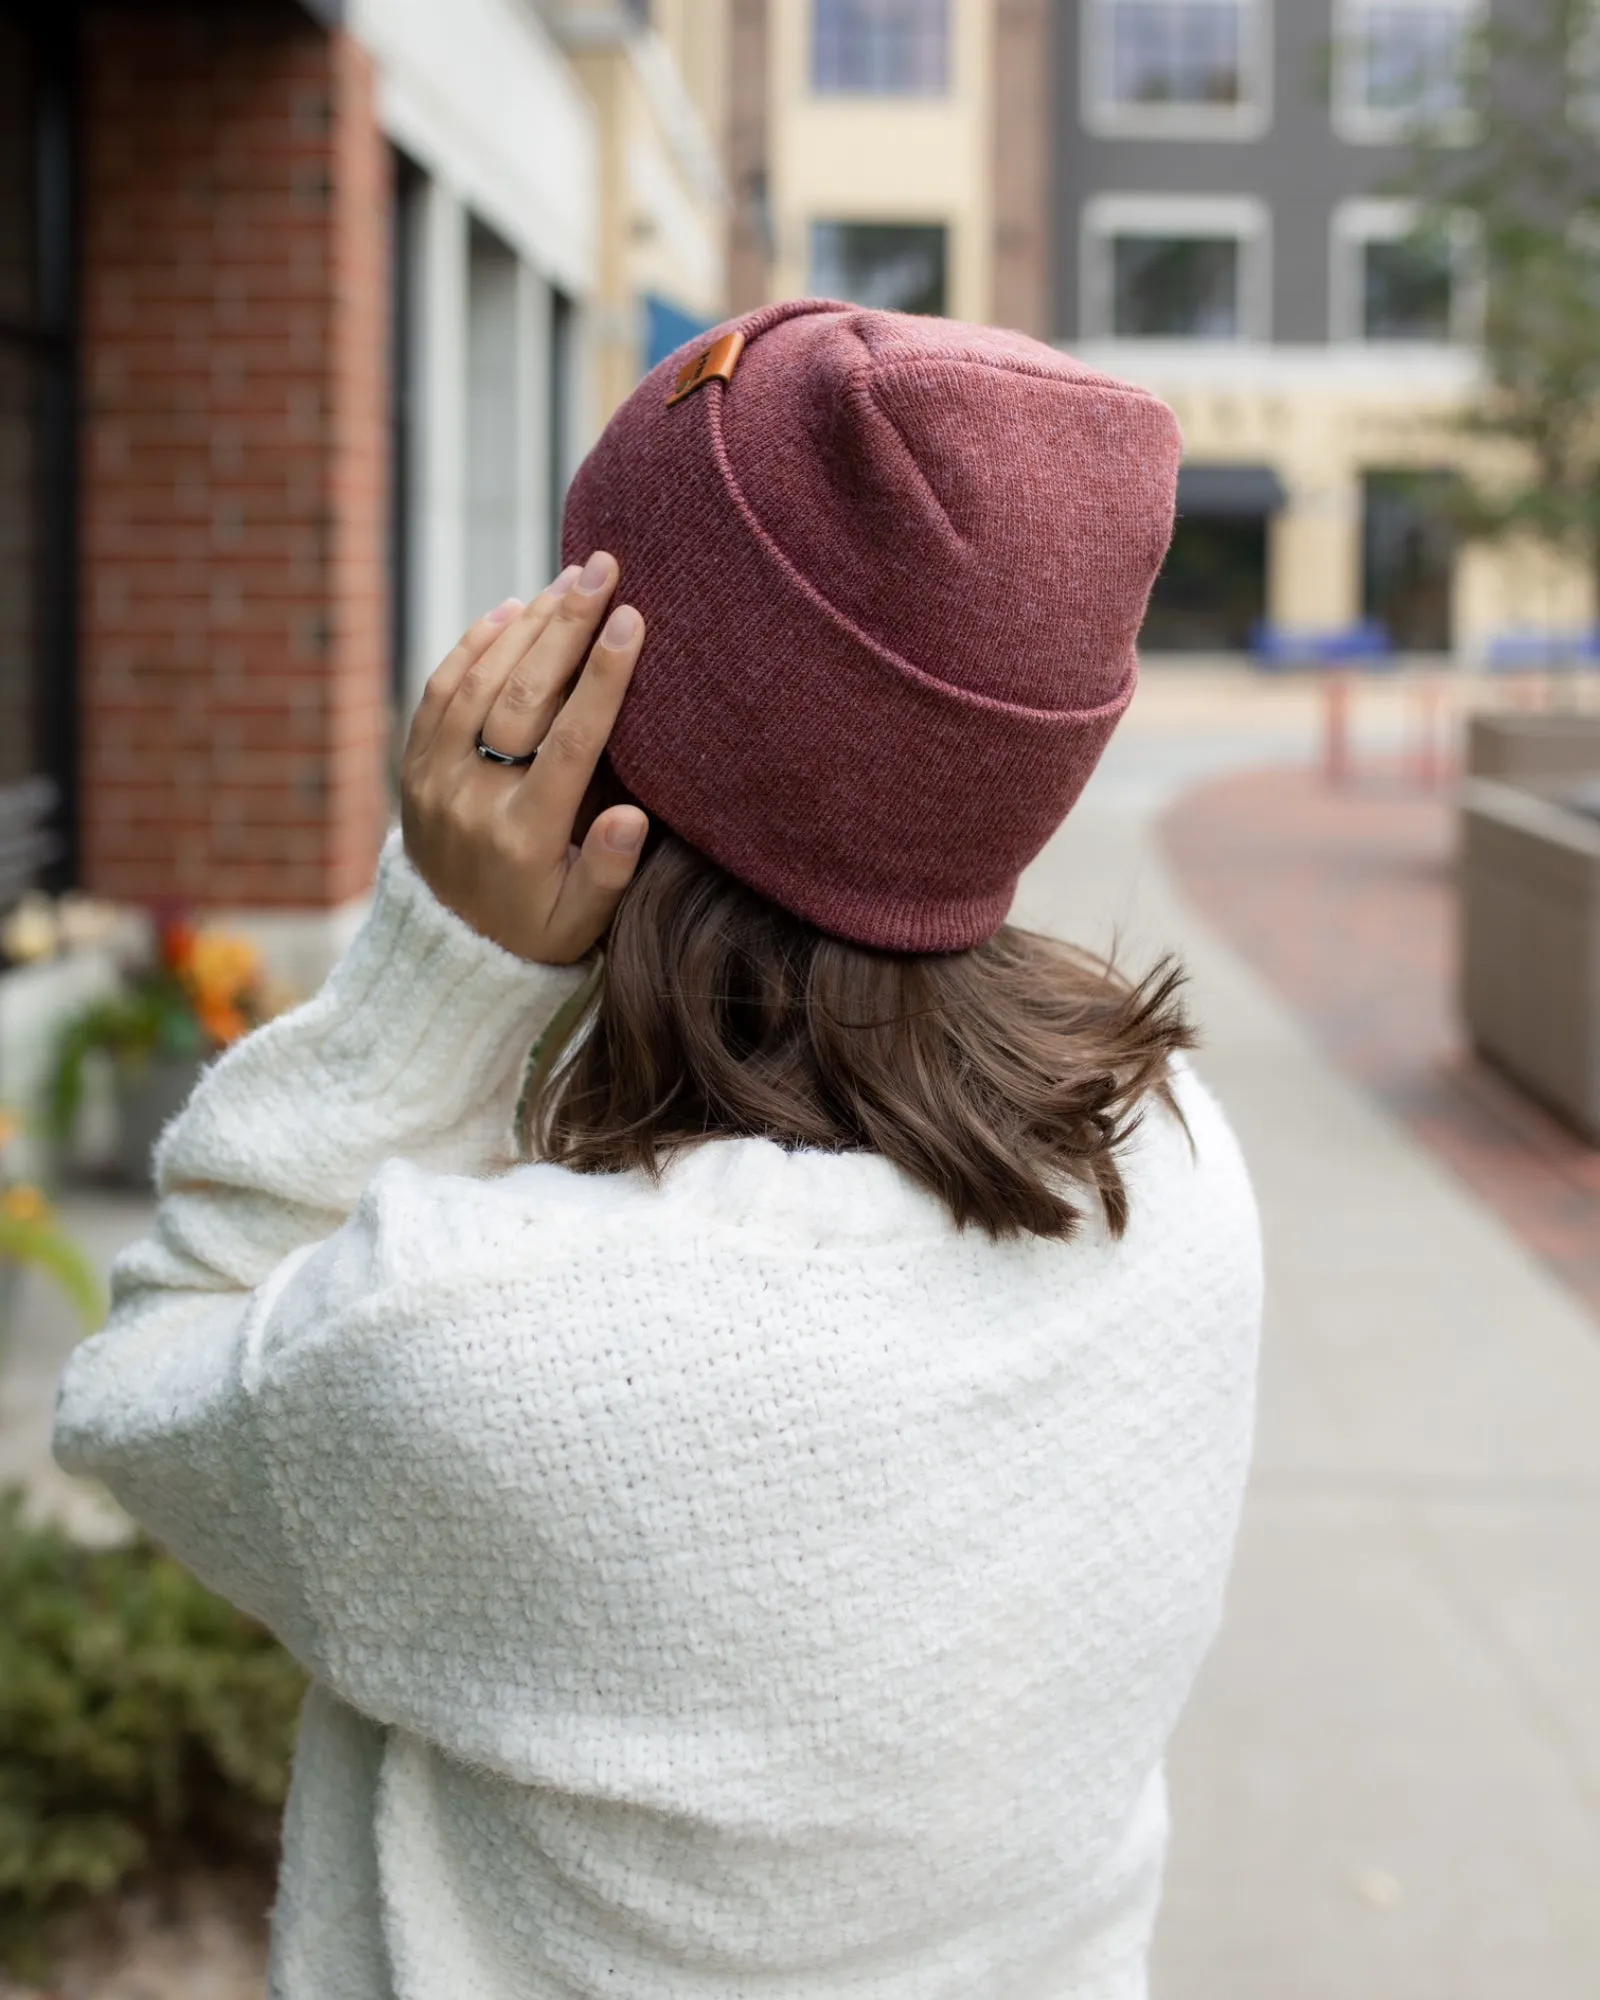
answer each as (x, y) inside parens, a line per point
(1525, 652)
(1279, 649)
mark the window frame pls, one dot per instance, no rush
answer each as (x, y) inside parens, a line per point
(1103, 116)
(859, 93)
(1385, 219)
(1104, 217)
(1360, 124)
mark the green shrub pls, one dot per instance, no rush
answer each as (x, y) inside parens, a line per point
(142, 1720)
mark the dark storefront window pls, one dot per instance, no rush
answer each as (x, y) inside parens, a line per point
(1408, 557)
(1211, 594)
(36, 458)
(894, 266)
(1212, 591)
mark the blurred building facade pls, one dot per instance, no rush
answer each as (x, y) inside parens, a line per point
(1228, 232)
(1195, 194)
(309, 311)
(867, 162)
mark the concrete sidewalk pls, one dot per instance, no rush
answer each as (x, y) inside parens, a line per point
(1388, 1787)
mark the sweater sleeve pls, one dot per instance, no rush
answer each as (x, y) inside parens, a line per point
(413, 1049)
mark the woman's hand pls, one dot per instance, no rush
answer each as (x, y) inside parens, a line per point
(493, 842)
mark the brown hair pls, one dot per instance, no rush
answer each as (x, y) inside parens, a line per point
(998, 1078)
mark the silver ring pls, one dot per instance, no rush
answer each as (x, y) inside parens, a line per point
(499, 756)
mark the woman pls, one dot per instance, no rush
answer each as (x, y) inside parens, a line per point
(753, 1491)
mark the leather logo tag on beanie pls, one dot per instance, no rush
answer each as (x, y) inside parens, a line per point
(715, 363)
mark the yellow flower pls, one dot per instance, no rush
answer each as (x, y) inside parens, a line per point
(10, 1126)
(223, 976)
(222, 967)
(28, 935)
(24, 1203)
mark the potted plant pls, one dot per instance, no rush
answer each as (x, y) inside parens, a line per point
(31, 1236)
(193, 995)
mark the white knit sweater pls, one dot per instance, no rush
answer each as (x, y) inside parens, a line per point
(749, 1585)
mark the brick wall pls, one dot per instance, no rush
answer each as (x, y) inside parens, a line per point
(234, 644)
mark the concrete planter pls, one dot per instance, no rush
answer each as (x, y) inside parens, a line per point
(34, 1001)
(1533, 749)
(1530, 940)
(146, 1099)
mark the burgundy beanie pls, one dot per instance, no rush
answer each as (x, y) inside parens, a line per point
(891, 570)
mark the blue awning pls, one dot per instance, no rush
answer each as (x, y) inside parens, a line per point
(668, 327)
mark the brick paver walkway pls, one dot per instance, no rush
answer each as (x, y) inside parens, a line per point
(1343, 900)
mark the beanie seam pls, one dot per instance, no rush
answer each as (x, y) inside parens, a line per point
(917, 364)
(923, 480)
(762, 319)
(968, 697)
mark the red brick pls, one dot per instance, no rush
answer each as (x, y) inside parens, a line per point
(235, 475)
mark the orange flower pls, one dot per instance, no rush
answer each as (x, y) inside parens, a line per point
(221, 965)
(24, 1203)
(10, 1126)
(222, 1021)
(222, 976)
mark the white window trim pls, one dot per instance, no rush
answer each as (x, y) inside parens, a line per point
(1107, 119)
(1240, 216)
(1359, 123)
(1376, 220)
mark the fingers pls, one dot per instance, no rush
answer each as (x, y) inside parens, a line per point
(510, 692)
(446, 677)
(603, 868)
(481, 659)
(553, 790)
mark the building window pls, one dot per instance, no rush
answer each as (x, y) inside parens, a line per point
(38, 456)
(1175, 287)
(1405, 292)
(1404, 66)
(406, 183)
(563, 402)
(1408, 557)
(896, 266)
(1211, 595)
(1391, 282)
(895, 48)
(495, 559)
(1174, 268)
(1194, 69)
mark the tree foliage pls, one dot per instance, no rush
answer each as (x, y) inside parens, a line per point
(1526, 184)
